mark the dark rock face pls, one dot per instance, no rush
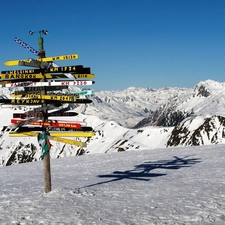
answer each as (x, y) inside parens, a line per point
(201, 91)
(165, 117)
(22, 154)
(210, 131)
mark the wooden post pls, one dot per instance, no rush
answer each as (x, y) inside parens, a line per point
(46, 160)
(47, 173)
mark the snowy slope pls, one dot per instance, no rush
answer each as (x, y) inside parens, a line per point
(208, 98)
(109, 137)
(161, 187)
(197, 115)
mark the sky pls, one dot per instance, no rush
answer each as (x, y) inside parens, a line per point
(163, 186)
(146, 43)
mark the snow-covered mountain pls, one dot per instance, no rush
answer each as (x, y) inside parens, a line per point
(206, 98)
(173, 117)
(198, 130)
(129, 106)
(126, 107)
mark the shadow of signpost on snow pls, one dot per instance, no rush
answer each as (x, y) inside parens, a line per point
(143, 172)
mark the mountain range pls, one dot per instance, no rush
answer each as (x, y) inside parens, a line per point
(131, 119)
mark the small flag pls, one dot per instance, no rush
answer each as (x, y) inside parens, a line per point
(44, 143)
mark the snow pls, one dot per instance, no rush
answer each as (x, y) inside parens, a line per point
(182, 185)
(195, 122)
(213, 104)
(146, 184)
(111, 136)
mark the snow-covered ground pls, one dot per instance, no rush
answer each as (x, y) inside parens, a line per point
(183, 185)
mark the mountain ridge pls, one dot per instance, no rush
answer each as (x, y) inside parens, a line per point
(181, 117)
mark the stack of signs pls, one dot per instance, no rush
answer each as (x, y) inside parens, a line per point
(42, 86)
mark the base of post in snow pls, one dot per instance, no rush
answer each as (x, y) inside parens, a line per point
(47, 173)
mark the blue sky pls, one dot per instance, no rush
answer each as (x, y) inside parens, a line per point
(141, 43)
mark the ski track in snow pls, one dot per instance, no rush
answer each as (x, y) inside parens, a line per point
(162, 186)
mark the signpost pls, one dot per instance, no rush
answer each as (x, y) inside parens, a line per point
(43, 138)
(36, 83)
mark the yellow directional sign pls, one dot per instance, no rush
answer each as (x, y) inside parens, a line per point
(46, 59)
(67, 141)
(41, 76)
(35, 134)
(55, 134)
(71, 98)
(31, 101)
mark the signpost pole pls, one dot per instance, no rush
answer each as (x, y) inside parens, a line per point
(46, 159)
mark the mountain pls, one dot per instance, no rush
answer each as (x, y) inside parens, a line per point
(197, 117)
(198, 130)
(175, 117)
(126, 107)
(129, 106)
(206, 98)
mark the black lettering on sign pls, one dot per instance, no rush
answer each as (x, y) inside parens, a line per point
(35, 100)
(21, 76)
(52, 97)
(68, 69)
(81, 75)
(32, 96)
(55, 58)
(68, 98)
(69, 57)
